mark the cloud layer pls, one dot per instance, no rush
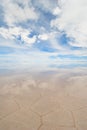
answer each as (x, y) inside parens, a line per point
(47, 28)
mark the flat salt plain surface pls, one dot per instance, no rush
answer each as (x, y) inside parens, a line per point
(55, 100)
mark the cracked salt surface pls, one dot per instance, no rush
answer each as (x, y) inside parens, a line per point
(56, 101)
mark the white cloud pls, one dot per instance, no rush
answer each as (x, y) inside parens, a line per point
(15, 13)
(46, 5)
(56, 11)
(73, 21)
(12, 32)
(26, 39)
(43, 37)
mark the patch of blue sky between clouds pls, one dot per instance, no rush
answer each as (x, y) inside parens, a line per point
(72, 57)
(45, 18)
(44, 46)
(2, 23)
(64, 40)
(6, 50)
(69, 66)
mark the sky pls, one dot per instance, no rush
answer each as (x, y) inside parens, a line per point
(38, 34)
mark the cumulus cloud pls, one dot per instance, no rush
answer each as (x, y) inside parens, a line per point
(15, 32)
(46, 5)
(72, 21)
(17, 11)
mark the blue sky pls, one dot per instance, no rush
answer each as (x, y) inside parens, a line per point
(43, 33)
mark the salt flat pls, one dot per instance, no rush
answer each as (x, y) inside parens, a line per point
(44, 101)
